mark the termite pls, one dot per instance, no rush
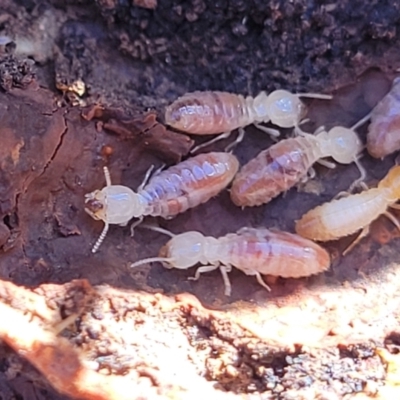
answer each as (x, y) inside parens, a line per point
(347, 215)
(168, 193)
(208, 113)
(253, 251)
(383, 136)
(281, 166)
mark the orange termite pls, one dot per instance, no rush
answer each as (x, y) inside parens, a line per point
(207, 113)
(383, 136)
(168, 193)
(347, 215)
(284, 164)
(254, 251)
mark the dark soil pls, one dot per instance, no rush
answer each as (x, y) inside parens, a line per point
(58, 57)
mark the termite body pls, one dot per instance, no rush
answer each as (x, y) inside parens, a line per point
(255, 252)
(347, 215)
(284, 164)
(383, 136)
(207, 113)
(168, 193)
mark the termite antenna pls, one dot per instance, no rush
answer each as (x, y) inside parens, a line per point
(362, 121)
(107, 176)
(157, 229)
(101, 238)
(150, 260)
(316, 96)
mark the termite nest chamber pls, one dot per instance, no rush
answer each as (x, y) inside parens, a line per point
(271, 173)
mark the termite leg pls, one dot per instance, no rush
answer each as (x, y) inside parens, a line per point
(360, 181)
(236, 141)
(227, 283)
(148, 175)
(320, 130)
(107, 176)
(362, 234)
(342, 194)
(146, 178)
(216, 139)
(303, 121)
(101, 238)
(361, 185)
(261, 281)
(272, 132)
(326, 164)
(387, 214)
(310, 175)
(158, 170)
(202, 270)
(395, 206)
(297, 131)
(135, 224)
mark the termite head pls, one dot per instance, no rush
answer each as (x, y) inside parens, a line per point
(392, 182)
(343, 145)
(95, 204)
(284, 108)
(182, 251)
(113, 204)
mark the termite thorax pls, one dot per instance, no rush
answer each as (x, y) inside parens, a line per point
(212, 250)
(258, 107)
(391, 182)
(322, 142)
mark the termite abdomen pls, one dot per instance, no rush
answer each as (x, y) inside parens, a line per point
(206, 113)
(271, 172)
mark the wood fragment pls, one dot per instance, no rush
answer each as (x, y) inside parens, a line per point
(144, 129)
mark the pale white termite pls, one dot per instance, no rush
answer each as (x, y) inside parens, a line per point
(208, 113)
(281, 166)
(253, 251)
(347, 215)
(383, 136)
(168, 193)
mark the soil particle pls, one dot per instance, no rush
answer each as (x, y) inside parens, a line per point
(15, 72)
(246, 47)
(124, 334)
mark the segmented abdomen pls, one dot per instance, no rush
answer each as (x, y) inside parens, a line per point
(275, 253)
(188, 183)
(342, 217)
(383, 136)
(208, 112)
(272, 172)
